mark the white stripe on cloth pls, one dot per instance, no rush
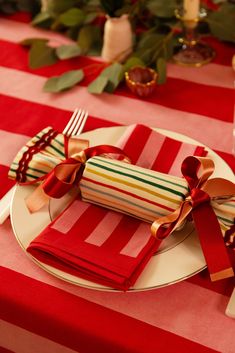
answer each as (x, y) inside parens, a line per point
(18, 84)
(211, 74)
(184, 151)
(138, 240)
(199, 319)
(150, 150)
(19, 340)
(104, 229)
(11, 143)
(68, 219)
(15, 32)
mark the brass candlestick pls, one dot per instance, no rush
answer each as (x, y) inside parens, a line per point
(191, 51)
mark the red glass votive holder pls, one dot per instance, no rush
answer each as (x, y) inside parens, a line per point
(141, 80)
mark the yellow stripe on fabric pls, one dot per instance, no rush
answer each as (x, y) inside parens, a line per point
(54, 150)
(170, 179)
(135, 186)
(123, 198)
(126, 201)
(137, 178)
(106, 202)
(223, 227)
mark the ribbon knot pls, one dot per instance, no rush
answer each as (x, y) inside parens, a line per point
(197, 197)
(66, 174)
(202, 191)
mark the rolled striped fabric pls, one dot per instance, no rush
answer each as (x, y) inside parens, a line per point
(141, 193)
(39, 156)
(42, 153)
(136, 191)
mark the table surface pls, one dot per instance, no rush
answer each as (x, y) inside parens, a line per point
(40, 311)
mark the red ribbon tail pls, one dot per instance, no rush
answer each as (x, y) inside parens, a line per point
(212, 242)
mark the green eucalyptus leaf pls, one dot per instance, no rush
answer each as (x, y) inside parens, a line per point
(131, 62)
(161, 70)
(41, 55)
(113, 74)
(222, 22)
(88, 37)
(68, 51)
(162, 8)
(30, 41)
(72, 17)
(65, 81)
(149, 40)
(90, 17)
(60, 6)
(98, 85)
(108, 80)
(41, 18)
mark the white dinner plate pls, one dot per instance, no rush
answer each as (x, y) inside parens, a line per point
(179, 257)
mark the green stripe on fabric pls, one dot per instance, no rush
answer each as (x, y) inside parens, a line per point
(225, 220)
(121, 199)
(132, 184)
(139, 179)
(115, 209)
(229, 204)
(60, 143)
(30, 168)
(142, 173)
(57, 150)
(37, 170)
(31, 176)
(43, 157)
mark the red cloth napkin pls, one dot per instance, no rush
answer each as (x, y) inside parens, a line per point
(104, 246)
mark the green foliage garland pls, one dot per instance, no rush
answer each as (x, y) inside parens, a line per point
(155, 29)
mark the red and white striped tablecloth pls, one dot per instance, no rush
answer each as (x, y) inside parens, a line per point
(42, 314)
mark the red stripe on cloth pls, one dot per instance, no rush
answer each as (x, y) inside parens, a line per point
(169, 95)
(125, 192)
(142, 134)
(4, 350)
(118, 239)
(27, 118)
(24, 17)
(229, 158)
(200, 151)
(6, 183)
(224, 50)
(15, 56)
(163, 164)
(80, 324)
(187, 96)
(87, 223)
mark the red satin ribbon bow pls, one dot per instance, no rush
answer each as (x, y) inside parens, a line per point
(67, 174)
(202, 191)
